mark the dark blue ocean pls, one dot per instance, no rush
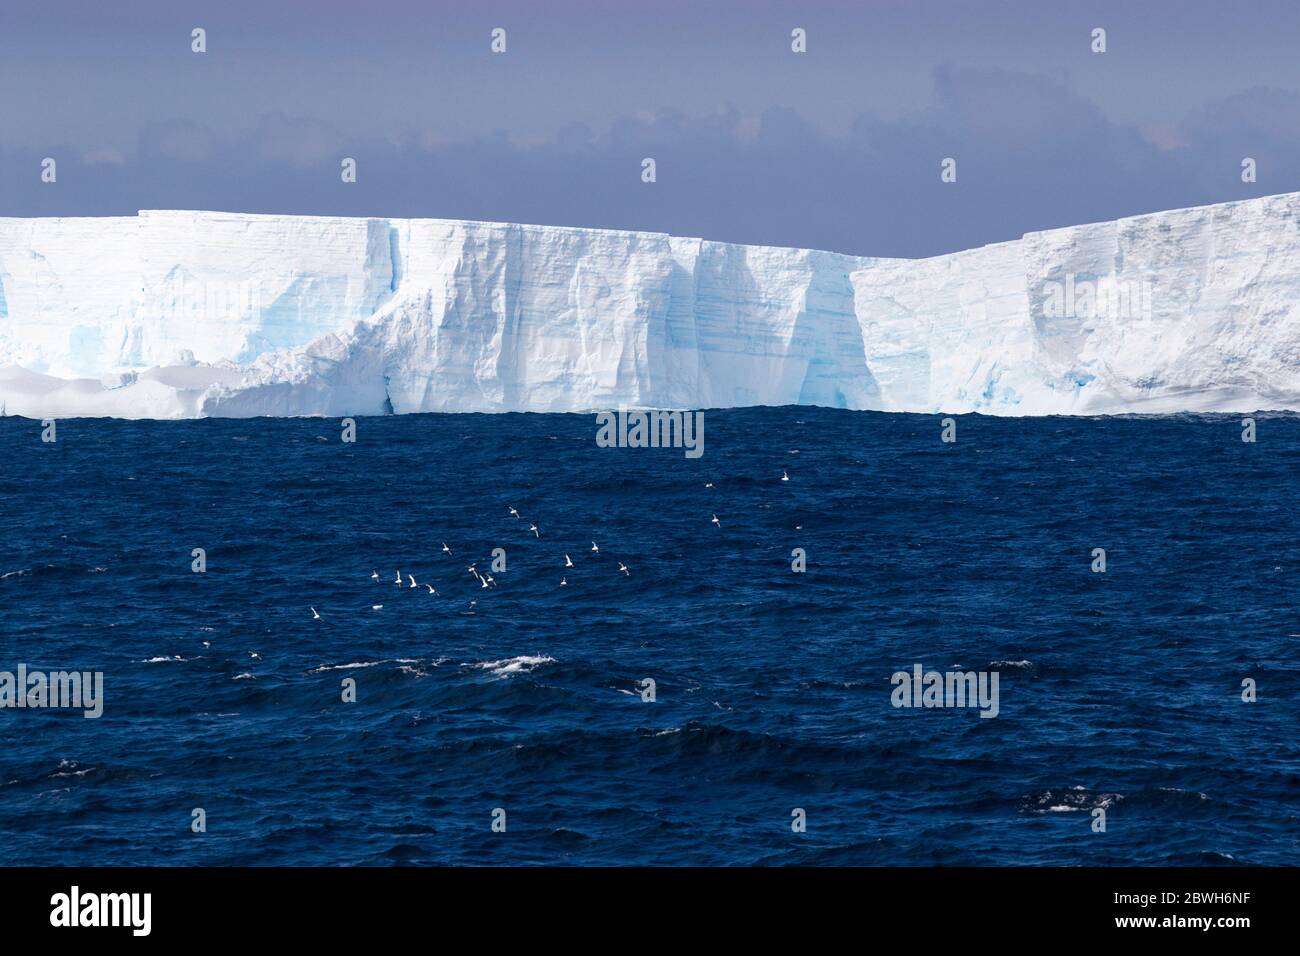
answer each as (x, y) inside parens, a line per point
(1119, 690)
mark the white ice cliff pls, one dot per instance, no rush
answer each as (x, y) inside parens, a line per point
(186, 314)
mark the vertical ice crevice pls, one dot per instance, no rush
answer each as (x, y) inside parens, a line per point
(394, 258)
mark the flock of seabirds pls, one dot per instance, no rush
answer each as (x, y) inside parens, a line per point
(486, 580)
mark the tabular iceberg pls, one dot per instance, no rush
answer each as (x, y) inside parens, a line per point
(187, 314)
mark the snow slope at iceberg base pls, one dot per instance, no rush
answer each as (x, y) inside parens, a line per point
(180, 315)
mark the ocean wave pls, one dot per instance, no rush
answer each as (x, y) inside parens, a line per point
(357, 664)
(52, 570)
(524, 664)
(1069, 799)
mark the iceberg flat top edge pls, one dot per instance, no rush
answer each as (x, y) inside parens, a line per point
(474, 223)
(596, 230)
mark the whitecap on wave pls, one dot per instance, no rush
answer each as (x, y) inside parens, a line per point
(1071, 799)
(355, 664)
(523, 664)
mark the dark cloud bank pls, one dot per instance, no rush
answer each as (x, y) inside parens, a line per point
(1031, 155)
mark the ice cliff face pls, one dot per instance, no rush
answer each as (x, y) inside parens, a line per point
(182, 314)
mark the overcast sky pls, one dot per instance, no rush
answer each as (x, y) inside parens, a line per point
(837, 148)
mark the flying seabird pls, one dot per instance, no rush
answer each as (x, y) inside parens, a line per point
(374, 575)
(568, 562)
(533, 529)
(513, 511)
(716, 521)
(446, 550)
(623, 567)
(593, 546)
(314, 615)
(412, 577)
